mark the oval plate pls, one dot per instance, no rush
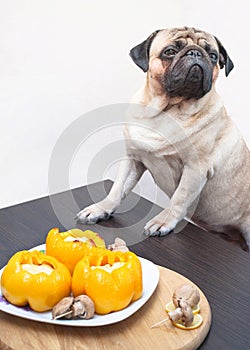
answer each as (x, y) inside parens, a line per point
(150, 277)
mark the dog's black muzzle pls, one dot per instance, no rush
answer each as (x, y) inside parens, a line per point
(190, 74)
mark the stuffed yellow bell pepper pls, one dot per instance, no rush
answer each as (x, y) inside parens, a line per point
(111, 279)
(69, 247)
(33, 278)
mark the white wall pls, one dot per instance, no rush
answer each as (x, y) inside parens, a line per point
(62, 58)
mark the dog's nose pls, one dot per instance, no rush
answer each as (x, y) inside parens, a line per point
(194, 53)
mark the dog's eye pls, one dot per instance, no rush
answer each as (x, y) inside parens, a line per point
(213, 57)
(170, 52)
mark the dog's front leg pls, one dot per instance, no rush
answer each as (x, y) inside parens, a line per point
(129, 173)
(188, 190)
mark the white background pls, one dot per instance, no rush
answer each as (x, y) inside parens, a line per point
(62, 58)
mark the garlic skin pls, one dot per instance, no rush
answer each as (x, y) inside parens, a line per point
(188, 293)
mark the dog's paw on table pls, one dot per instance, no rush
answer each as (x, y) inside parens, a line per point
(92, 215)
(160, 225)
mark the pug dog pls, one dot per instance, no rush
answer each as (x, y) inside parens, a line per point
(179, 130)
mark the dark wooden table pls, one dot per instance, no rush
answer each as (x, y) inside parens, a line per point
(219, 268)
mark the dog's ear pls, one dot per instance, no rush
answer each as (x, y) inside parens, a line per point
(224, 59)
(140, 53)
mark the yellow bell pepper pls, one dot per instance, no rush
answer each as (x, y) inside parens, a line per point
(33, 278)
(69, 247)
(111, 279)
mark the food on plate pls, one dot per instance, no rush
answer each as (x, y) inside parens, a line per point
(183, 310)
(111, 279)
(70, 307)
(70, 246)
(31, 277)
(75, 276)
(119, 245)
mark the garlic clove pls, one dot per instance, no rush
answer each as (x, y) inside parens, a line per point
(188, 316)
(69, 307)
(175, 315)
(83, 307)
(118, 245)
(63, 308)
(188, 293)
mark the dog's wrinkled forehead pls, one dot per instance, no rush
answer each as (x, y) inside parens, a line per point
(184, 36)
(180, 38)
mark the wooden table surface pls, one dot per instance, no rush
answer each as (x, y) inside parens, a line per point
(220, 269)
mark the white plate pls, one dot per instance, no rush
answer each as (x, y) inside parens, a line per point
(150, 277)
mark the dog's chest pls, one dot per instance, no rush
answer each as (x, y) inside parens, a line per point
(159, 155)
(156, 138)
(165, 170)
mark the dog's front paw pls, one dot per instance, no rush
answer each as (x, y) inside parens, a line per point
(92, 214)
(159, 227)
